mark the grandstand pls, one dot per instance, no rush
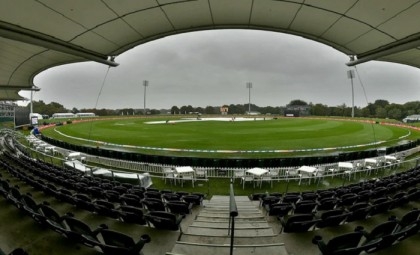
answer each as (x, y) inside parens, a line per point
(412, 118)
(65, 115)
(264, 218)
(49, 209)
(85, 115)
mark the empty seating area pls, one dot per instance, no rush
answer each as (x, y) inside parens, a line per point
(129, 204)
(304, 211)
(370, 205)
(379, 237)
(112, 217)
(94, 194)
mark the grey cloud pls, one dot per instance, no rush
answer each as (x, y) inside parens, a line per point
(212, 67)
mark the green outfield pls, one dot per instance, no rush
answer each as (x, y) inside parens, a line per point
(255, 137)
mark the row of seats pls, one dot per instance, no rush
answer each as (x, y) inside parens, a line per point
(357, 210)
(375, 188)
(177, 204)
(110, 242)
(95, 187)
(344, 204)
(381, 236)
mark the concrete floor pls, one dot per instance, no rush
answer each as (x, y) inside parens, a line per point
(19, 230)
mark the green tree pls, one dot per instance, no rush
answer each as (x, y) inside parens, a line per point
(199, 109)
(154, 112)
(189, 109)
(381, 112)
(319, 110)
(174, 110)
(183, 109)
(395, 111)
(381, 103)
(297, 102)
(47, 109)
(411, 108)
(209, 110)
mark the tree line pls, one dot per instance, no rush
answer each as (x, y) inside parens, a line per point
(379, 109)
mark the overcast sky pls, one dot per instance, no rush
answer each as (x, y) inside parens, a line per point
(213, 67)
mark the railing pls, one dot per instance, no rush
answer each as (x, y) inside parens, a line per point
(155, 169)
(233, 212)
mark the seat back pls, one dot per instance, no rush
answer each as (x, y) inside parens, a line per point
(77, 226)
(279, 210)
(80, 232)
(28, 204)
(288, 198)
(130, 214)
(153, 194)
(171, 197)
(163, 220)
(359, 212)
(50, 213)
(304, 207)
(269, 200)
(380, 237)
(381, 205)
(106, 208)
(332, 218)
(327, 203)
(53, 219)
(348, 199)
(309, 196)
(179, 207)
(410, 218)
(116, 242)
(4, 187)
(344, 244)
(299, 223)
(154, 204)
(193, 199)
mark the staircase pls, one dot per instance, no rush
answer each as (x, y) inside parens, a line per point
(208, 234)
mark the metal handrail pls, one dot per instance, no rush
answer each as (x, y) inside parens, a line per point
(233, 212)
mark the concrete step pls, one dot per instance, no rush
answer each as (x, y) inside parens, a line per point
(227, 198)
(226, 240)
(226, 214)
(205, 249)
(225, 225)
(215, 200)
(221, 205)
(226, 218)
(224, 207)
(203, 231)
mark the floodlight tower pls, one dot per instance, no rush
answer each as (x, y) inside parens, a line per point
(145, 84)
(31, 109)
(350, 75)
(33, 89)
(249, 86)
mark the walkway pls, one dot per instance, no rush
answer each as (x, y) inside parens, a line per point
(208, 234)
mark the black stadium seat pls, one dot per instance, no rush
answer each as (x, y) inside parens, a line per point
(118, 243)
(131, 214)
(346, 244)
(298, 223)
(163, 220)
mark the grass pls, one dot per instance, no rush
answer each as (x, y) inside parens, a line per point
(286, 134)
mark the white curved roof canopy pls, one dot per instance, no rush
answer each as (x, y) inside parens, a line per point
(39, 34)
